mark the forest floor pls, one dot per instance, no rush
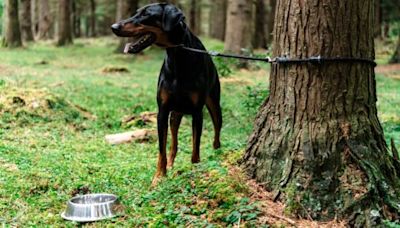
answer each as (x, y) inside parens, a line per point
(58, 104)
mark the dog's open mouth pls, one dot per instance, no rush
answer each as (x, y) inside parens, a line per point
(141, 42)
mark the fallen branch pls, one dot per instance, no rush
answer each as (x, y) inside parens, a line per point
(288, 220)
(142, 135)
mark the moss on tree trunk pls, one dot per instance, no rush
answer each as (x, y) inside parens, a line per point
(317, 140)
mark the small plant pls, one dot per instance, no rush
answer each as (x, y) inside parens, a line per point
(224, 66)
(255, 96)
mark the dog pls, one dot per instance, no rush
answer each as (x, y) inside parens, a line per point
(187, 80)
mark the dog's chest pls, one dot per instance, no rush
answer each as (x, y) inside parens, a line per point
(182, 96)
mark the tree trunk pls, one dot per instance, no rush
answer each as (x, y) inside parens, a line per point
(270, 21)
(26, 20)
(378, 19)
(396, 55)
(64, 31)
(260, 32)
(76, 19)
(317, 140)
(12, 34)
(92, 19)
(264, 23)
(218, 19)
(44, 19)
(35, 17)
(239, 26)
(125, 9)
(195, 17)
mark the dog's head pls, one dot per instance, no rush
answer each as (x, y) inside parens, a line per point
(150, 25)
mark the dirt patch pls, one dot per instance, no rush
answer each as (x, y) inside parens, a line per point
(272, 213)
(390, 70)
(23, 106)
(245, 77)
(11, 167)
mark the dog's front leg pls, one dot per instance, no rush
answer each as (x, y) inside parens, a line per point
(162, 126)
(197, 127)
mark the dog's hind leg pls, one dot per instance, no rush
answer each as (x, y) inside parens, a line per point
(162, 126)
(214, 108)
(197, 127)
(174, 122)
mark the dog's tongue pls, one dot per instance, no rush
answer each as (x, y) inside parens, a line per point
(127, 47)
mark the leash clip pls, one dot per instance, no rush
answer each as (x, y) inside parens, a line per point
(213, 53)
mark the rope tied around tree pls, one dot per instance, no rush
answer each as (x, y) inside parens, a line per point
(284, 59)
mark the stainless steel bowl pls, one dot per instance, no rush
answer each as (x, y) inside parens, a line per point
(92, 207)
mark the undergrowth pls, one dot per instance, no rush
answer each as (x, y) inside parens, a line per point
(57, 104)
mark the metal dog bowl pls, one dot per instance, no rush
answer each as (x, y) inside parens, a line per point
(92, 207)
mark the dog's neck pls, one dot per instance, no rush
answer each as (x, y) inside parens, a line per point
(177, 56)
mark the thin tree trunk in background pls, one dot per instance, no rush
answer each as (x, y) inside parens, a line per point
(76, 19)
(35, 17)
(260, 33)
(92, 19)
(396, 55)
(64, 31)
(26, 20)
(378, 19)
(195, 16)
(270, 21)
(317, 141)
(239, 25)
(218, 19)
(125, 9)
(11, 29)
(44, 19)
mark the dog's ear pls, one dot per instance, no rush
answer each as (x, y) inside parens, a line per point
(172, 16)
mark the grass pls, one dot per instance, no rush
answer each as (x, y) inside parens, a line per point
(57, 105)
(51, 152)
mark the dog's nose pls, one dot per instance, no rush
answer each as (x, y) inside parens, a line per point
(116, 27)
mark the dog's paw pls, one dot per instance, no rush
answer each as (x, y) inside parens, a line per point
(156, 180)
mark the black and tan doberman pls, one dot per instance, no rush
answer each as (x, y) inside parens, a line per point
(187, 80)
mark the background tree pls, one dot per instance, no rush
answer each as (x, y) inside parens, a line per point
(26, 20)
(45, 21)
(76, 18)
(64, 31)
(396, 55)
(218, 19)
(12, 34)
(317, 140)
(195, 16)
(264, 23)
(35, 18)
(125, 9)
(91, 21)
(238, 31)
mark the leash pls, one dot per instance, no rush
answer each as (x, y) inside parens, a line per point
(283, 60)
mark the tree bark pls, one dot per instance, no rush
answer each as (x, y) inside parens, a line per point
(26, 20)
(317, 140)
(378, 19)
(195, 17)
(239, 27)
(264, 23)
(260, 32)
(12, 34)
(64, 31)
(44, 20)
(218, 19)
(270, 21)
(35, 17)
(396, 55)
(125, 9)
(76, 19)
(92, 19)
